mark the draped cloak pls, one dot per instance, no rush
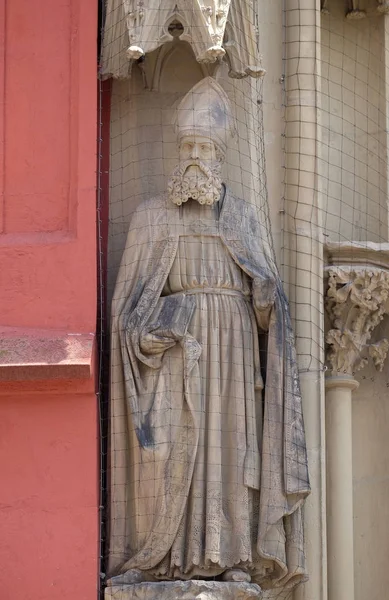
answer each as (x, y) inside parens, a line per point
(151, 456)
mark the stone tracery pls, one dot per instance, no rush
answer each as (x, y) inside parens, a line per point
(214, 29)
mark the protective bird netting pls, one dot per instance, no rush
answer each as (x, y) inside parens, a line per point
(204, 453)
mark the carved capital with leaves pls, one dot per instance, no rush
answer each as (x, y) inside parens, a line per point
(356, 302)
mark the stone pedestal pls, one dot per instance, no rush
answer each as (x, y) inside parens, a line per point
(184, 590)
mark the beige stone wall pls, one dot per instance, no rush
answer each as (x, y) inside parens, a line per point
(354, 189)
(353, 125)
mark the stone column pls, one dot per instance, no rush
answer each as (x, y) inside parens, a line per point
(356, 302)
(303, 262)
(340, 487)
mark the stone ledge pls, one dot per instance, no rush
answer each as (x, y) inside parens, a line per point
(32, 355)
(370, 254)
(184, 590)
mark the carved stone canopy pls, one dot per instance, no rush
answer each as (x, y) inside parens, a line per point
(214, 29)
(356, 301)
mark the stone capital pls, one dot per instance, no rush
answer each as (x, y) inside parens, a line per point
(356, 301)
(341, 382)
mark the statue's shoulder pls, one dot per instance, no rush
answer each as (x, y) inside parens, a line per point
(157, 202)
(149, 211)
(239, 209)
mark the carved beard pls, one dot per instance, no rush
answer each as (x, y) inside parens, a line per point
(205, 187)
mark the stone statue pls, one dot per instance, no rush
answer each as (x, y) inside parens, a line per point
(208, 467)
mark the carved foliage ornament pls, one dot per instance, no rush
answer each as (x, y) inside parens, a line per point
(355, 10)
(213, 28)
(356, 302)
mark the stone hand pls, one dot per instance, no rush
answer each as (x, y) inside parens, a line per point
(150, 343)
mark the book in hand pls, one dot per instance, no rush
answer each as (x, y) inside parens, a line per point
(172, 316)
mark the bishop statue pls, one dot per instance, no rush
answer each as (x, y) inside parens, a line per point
(208, 466)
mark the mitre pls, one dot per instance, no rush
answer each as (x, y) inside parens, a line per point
(205, 110)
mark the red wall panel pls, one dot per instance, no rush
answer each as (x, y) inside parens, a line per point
(48, 428)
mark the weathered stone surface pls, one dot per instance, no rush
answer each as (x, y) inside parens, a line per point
(32, 354)
(213, 29)
(188, 468)
(357, 299)
(184, 590)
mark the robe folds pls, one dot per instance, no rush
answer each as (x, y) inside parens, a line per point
(154, 417)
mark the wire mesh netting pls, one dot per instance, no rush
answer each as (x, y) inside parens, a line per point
(204, 456)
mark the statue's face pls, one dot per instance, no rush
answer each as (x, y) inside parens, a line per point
(198, 173)
(197, 148)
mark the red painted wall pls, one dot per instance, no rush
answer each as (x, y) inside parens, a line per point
(48, 427)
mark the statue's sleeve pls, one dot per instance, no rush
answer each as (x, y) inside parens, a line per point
(265, 276)
(133, 266)
(264, 291)
(132, 300)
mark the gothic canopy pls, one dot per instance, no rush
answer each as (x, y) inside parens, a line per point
(215, 30)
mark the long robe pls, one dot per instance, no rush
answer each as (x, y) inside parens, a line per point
(157, 408)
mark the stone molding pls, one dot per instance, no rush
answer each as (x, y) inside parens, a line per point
(356, 302)
(340, 382)
(40, 355)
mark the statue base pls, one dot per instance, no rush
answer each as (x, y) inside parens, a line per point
(184, 590)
